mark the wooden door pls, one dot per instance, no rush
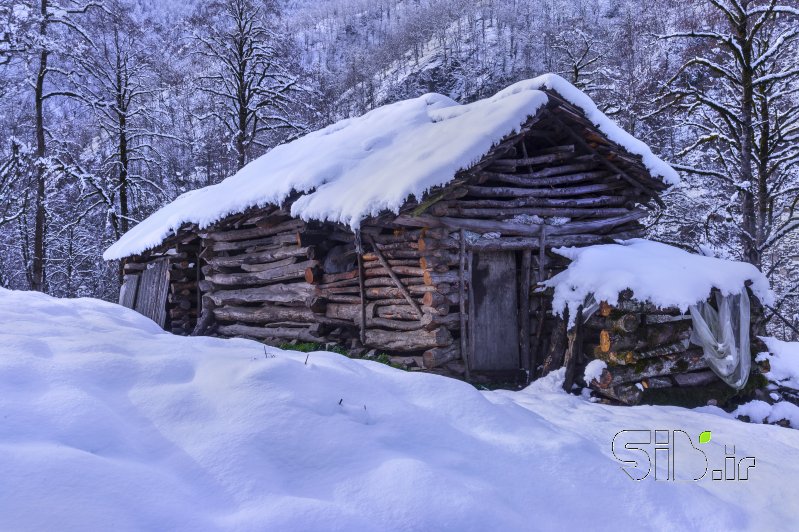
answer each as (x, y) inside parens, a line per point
(495, 331)
(151, 295)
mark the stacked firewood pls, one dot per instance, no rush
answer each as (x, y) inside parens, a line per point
(647, 350)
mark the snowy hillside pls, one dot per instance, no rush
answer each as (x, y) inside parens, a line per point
(110, 423)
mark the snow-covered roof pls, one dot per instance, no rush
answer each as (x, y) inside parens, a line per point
(661, 274)
(362, 166)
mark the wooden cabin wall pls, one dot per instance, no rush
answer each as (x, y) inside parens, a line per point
(408, 301)
(254, 285)
(277, 279)
(545, 190)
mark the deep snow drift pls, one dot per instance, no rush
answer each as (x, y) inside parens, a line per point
(110, 423)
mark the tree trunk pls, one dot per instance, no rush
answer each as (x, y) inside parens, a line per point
(749, 240)
(37, 266)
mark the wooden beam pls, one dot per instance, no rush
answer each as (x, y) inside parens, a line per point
(494, 213)
(597, 201)
(361, 288)
(574, 350)
(470, 296)
(545, 192)
(530, 180)
(535, 160)
(520, 229)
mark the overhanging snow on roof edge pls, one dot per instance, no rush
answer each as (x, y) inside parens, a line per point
(360, 167)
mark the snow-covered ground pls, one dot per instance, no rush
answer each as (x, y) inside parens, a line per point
(108, 423)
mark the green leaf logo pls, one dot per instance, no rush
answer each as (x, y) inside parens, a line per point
(704, 437)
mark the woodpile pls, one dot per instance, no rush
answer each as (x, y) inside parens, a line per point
(647, 352)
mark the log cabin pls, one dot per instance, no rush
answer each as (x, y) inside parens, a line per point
(422, 230)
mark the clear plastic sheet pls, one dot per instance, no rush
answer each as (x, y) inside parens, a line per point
(723, 335)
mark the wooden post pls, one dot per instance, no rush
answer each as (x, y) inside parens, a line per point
(472, 324)
(465, 332)
(524, 311)
(574, 351)
(542, 255)
(535, 354)
(361, 287)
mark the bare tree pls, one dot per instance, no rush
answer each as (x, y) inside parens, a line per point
(45, 34)
(115, 78)
(12, 202)
(580, 58)
(248, 75)
(741, 96)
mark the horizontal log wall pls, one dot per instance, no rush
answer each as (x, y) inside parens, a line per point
(411, 289)
(276, 279)
(254, 271)
(183, 299)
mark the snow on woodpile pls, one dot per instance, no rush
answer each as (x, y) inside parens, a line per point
(783, 359)
(658, 273)
(593, 370)
(109, 423)
(359, 167)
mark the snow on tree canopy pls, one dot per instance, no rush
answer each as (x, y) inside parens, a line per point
(658, 273)
(362, 166)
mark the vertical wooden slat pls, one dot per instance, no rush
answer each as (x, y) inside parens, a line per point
(524, 311)
(472, 324)
(465, 324)
(152, 293)
(127, 294)
(542, 255)
(536, 353)
(161, 283)
(574, 350)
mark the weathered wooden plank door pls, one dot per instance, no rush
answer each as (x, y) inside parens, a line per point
(495, 331)
(152, 292)
(127, 294)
